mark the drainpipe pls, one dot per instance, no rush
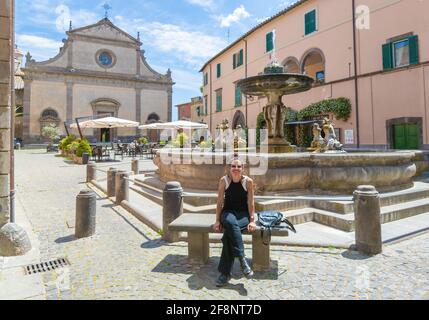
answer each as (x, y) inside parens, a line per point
(245, 74)
(355, 72)
(211, 98)
(12, 117)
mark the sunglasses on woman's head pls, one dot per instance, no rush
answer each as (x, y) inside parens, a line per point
(236, 166)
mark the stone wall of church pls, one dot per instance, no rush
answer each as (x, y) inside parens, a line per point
(85, 55)
(154, 101)
(83, 95)
(46, 95)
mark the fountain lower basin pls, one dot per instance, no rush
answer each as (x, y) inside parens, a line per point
(326, 173)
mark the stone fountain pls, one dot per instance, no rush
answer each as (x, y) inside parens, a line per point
(274, 84)
(326, 170)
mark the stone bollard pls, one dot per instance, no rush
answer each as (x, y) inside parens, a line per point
(367, 220)
(172, 208)
(111, 178)
(85, 214)
(91, 172)
(121, 186)
(135, 166)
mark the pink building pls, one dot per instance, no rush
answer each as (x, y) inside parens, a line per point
(380, 63)
(184, 111)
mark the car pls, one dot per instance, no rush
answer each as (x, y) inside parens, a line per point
(17, 143)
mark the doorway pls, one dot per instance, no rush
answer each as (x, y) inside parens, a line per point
(406, 136)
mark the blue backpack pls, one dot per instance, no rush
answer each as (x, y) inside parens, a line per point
(272, 219)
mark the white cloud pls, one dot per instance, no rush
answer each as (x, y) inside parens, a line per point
(202, 3)
(41, 48)
(237, 15)
(79, 18)
(37, 42)
(191, 47)
(184, 79)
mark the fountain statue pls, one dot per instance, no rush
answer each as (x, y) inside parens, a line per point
(274, 84)
(327, 144)
(330, 137)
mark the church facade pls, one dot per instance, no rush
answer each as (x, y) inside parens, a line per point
(100, 71)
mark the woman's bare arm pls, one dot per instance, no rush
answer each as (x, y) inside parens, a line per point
(220, 199)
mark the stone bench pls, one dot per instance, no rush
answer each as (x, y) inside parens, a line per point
(198, 226)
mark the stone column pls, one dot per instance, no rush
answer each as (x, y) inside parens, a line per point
(172, 208)
(86, 208)
(367, 220)
(135, 166)
(138, 108)
(5, 106)
(69, 105)
(121, 186)
(26, 137)
(170, 102)
(111, 178)
(91, 172)
(13, 238)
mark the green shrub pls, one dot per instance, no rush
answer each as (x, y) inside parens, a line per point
(340, 107)
(83, 147)
(72, 147)
(66, 141)
(143, 140)
(51, 132)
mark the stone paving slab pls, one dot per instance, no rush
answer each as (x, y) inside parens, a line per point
(127, 260)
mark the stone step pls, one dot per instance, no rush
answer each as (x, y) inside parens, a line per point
(386, 199)
(280, 205)
(404, 210)
(187, 208)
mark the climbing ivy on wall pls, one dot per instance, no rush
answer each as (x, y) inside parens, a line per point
(339, 107)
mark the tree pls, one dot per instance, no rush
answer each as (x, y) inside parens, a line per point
(51, 132)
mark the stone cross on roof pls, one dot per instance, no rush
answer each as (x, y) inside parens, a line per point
(106, 7)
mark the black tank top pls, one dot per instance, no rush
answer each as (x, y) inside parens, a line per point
(235, 197)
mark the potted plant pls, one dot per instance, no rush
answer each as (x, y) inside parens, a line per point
(51, 132)
(83, 151)
(66, 142)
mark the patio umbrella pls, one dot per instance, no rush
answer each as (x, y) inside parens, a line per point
(108, 122)
(149, 126)
(181, 124)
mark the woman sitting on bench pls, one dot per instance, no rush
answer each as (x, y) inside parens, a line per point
(235, 212)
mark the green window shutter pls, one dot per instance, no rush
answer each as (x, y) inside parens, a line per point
(310, 22)
(414, 49)
(387, 56)
(234, 61)
(218, 102)
(218, 70)
(241, 57)
(269, 42)
(237, 96)
(205, 106)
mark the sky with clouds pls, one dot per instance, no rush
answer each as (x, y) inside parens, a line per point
(177, 34)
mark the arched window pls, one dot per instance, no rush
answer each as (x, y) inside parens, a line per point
(291, 65)
(153, 117)
(49, 113)
(313, 65)
(238, 119)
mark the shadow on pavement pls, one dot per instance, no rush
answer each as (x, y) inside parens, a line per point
(68, 238)
(355, 255)
(204, 276)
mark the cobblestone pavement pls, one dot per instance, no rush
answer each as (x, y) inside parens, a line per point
(127, 260)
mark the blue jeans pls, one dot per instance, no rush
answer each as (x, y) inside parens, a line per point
(233, 223)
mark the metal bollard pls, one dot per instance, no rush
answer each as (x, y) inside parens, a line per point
(111, 178)
(121, 186)
(135, 166)
(172, 208)
(85, 214)
(91, 172)
(367, 220)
